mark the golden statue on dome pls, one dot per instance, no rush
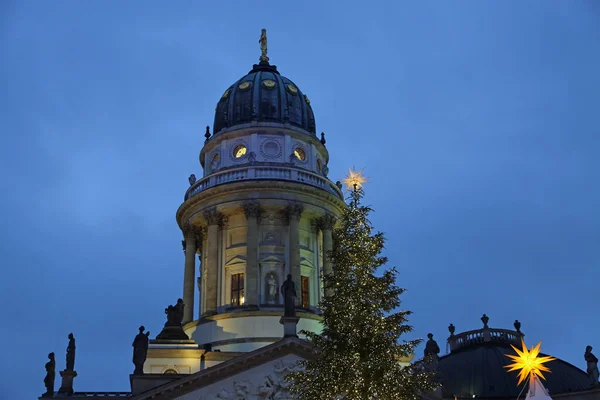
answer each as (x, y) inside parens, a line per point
(263, 46)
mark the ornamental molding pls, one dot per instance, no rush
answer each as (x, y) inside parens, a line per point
(273, 386)
(252, 209)
(271, 155)
(215, 194)
(294, 211)
(213, 217)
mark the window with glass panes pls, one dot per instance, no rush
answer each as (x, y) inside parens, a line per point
(237, 290)
(305, 290)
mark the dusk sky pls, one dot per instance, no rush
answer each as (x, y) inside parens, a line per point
(477, 122)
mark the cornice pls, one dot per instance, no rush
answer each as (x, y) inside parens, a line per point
(295, 190)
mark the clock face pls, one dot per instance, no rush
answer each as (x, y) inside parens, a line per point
(239, 151)
(268, 83)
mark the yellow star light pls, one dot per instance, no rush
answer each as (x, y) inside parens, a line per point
(354, 177)
(528, 362)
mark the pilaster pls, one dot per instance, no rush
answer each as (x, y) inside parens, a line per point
(327, 223)
(294, 212)
(252, 211)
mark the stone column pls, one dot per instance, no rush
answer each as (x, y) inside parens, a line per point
(214, 219)
(252, 210)
(294, 211)
(327, 223)
(191, 245)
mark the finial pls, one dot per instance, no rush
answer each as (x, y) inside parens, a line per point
(263, 47)
(517, 325)
(451, 329)
(207, 134)
(485, 320)
(323, 141)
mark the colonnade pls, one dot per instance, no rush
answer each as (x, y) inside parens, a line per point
(208, 283)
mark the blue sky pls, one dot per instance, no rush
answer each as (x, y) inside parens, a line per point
(477, 123)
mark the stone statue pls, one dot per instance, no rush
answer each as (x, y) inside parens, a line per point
(263, 46)
(192, 179)
(288, 289)
(431, 353)
(485, 319)
(140, 350)
(272, 287)
(592, 365)
(175, 314)
(50, 375)
(173, 329)
(71, 354)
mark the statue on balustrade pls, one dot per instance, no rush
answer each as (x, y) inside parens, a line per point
(192, 179)
(431, 354)
(173, 329)
(140, 350)
(288, 290)
(71, 353)
(592, 366)
(50, 375)
(175, 314)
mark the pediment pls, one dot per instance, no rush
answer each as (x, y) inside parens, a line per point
(254, 374)
(235, 260)
(306, 262)
(271, 259)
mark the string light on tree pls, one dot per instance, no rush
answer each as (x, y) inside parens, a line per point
(530, 366)
(361, 345)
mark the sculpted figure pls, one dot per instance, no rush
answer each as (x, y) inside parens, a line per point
(50, 375)
(175, 314)
(140, 350)
(263, 45)
(288, 290)
(272, 287)
(592, 365)
(71, 353)
(192, 179)
(431, 353)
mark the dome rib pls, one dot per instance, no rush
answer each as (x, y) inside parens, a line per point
(260, 103)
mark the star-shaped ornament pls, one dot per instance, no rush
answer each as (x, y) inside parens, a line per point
(528, 362)
(354, 179)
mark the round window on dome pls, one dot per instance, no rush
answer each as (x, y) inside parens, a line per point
(239, 151)
(300, 154)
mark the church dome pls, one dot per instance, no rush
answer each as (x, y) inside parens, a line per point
(475, 367)
(264, 95)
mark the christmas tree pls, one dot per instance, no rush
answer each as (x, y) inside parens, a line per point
(358, 351)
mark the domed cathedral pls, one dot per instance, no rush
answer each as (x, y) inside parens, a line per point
(259, 221)
(264, 208)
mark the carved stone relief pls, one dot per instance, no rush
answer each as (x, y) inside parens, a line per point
(273, 387)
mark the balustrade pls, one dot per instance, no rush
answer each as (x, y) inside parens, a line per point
(263, 172)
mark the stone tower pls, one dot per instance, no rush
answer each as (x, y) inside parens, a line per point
(263, 209)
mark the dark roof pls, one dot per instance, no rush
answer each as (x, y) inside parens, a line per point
(478, 370)
(267, 96)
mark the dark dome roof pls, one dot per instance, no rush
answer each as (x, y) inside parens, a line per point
(478, 370)
(264, 95)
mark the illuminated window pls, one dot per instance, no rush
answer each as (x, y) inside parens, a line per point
(305, 290)
(239, 151)
(237, 290)
(170, 371)
(300, 154)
